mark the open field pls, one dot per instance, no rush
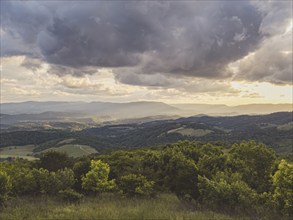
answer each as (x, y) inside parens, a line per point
(25, 152)
(74, 150)
(190, 131)
(105, 207)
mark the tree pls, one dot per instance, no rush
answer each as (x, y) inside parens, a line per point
(97, 178)
(80, 168)
(227, 192)
(4, 187)
(209, 165)
(54, 160)
(283, 183)
(21, 180)
(52, 182)
(255, 163)
(136, 185)
(179, 174)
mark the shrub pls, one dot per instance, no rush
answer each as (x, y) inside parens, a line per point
(96, 179)
(54, 160)
(4, 187)
(255, 163)
(70, 195)
(227, 192)
(180, 174)
(283, 183)
(136, 185)
(80, 168)
(52, 182)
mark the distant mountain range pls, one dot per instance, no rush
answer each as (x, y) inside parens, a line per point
(85, 114)
(137, 109)
(120, 110)
(224, 110)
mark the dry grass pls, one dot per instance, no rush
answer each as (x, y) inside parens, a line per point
(105, 207)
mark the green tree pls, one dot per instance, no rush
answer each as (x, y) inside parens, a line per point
(97, 178)
(227, 192)
(52, 182)
(22, 182)
(179, 174)
(136, 185)
(80, 168)
(283, 183)
(255, 163)
(4, 187)
(54, 160)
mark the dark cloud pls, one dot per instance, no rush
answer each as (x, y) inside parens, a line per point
(198, 38)
(61, 70)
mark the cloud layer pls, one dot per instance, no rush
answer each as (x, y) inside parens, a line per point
(153, 43)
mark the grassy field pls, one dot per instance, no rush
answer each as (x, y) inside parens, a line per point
(104, 207)
(190, 131)
(74, 150)
(25, 152)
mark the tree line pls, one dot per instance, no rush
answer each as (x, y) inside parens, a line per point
(248, 179)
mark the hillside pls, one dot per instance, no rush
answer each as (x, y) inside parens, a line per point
(274, 130)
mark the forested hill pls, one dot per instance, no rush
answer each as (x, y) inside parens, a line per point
(275, 130)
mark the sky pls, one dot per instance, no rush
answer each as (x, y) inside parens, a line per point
(213, 52)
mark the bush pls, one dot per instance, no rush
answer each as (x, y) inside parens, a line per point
(283, 183)
(255, 163)
(136, 185)
(96, 179)
(80, 168)
(52, 182)
(54, 160)
(70, 195)
(180, 175)
(4, 187)
(227, 192)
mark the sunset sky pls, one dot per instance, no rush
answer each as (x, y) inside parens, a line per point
(213, 52)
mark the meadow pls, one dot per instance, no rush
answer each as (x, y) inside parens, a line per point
(105, 206)
(27, 151)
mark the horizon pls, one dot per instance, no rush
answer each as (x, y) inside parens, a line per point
(145, 101)
(217, 53)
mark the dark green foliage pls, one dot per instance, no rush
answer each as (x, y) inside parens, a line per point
(52, 182)
(80, 168)
(19, 138)
(283, 187)
(69, 195)
(179, 174)
(21, 179)
(123, 162)
(255, 163)
(248, 179)
(53, 161)
(136, 185)
(227, 192)
(4, 187)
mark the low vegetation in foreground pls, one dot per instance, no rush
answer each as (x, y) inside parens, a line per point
(105, 206)
(186, 180)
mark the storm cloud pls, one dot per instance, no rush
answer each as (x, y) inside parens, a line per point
(149, 43)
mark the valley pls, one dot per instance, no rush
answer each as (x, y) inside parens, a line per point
(29, 139)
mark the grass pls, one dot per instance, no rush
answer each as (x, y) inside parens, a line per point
(25, 152)
(190, 131)
(107, 206)
(74, 150)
